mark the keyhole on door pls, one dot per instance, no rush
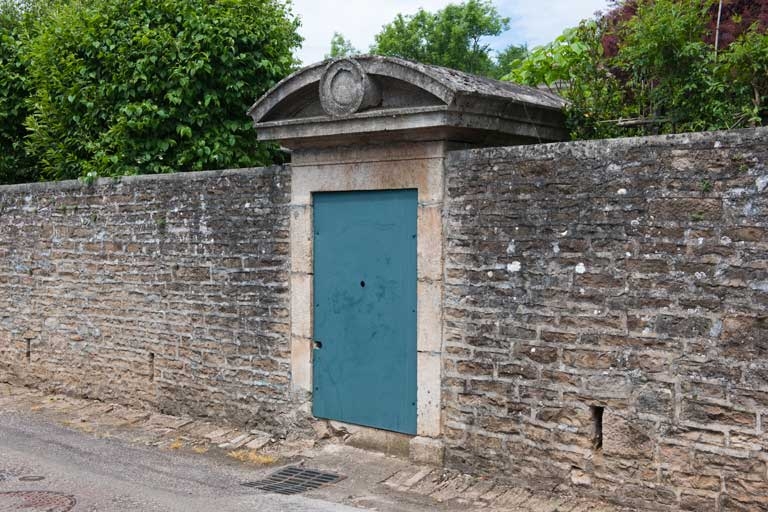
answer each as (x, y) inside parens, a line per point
(362, 284)
(318, 344)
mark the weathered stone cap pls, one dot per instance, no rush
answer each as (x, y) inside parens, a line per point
(389, 98)
(465, 84)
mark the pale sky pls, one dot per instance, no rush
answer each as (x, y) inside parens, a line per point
(531, 22)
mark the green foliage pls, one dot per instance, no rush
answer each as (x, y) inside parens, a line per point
(744, 67)
(16, 25)
(407, 37)
(341, 47)
(667, 60)
(664, 75)
(507, 57)
(141, 86)
(451, 37)
(572, 66)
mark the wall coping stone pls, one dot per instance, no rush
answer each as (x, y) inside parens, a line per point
(68, 185)
(606, 146)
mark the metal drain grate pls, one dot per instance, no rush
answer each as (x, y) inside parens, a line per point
(293, 480)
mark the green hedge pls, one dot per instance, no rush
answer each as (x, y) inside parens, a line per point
(153, 86)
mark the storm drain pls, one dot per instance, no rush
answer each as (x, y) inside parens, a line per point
(293, 480)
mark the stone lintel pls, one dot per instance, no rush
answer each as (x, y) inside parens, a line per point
(432, 123)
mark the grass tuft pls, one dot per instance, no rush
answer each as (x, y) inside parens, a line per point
(252, 457)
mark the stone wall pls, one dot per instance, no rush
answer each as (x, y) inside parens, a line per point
(165, 291)
(606, 318)
(605, 311)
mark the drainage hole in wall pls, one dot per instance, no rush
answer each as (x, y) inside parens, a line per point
(29, 351)
(597, 427)
(151, 366)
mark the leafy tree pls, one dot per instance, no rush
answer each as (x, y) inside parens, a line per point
(744, 67)
(666, 61)
(341, 47)
(653, 64)
(154, 86)
(407, 37)
(507, 57)
(572, 66)
(16, 25)
(451, 37)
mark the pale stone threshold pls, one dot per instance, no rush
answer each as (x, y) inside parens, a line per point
(418, 449)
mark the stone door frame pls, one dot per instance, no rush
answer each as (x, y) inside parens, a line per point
(417, 166)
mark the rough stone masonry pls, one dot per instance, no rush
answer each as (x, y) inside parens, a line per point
(606, 318)
(165, 291)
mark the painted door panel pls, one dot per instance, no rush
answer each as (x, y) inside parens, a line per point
(364, 360)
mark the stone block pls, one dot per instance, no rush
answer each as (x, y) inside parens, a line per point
(686, 209)
(683, 327)
(430, 243)
(426, 450)
(707, 413)
(392, 152)
(590, 359)
(745, 337)
(429, 316)
(301, 305)
(301, 239)
(425, 175)
(518, 370)
(301, 364)
(626, 437)
(391, 443)
(428, 378)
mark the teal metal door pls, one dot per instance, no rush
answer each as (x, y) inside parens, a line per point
(364, 360)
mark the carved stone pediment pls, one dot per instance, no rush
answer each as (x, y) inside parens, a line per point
(346, 89)
(331, 101)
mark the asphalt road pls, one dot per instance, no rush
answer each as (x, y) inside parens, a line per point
(46, 467)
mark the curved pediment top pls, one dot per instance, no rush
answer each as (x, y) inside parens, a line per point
(347, 86)
(339, 87)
